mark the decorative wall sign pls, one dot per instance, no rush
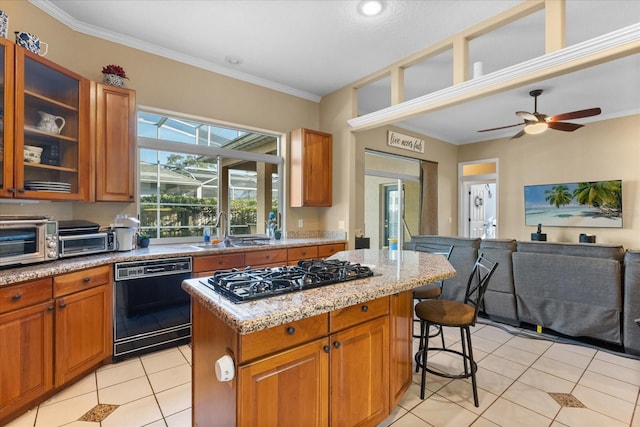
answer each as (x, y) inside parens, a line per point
(405, 142)
(581, 204)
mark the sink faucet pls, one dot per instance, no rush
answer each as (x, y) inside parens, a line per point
(225, 236)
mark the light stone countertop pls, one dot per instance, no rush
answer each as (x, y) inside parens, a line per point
(395, 271)
(10, 276)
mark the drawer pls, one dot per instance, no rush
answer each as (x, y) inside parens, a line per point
(25, 294)
(65, 284)
(325, 251)
(211, 263)
(306, 252)
(281, 337)
(272, 257)
(349, 316)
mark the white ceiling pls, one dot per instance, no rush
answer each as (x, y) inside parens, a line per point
(310, 48)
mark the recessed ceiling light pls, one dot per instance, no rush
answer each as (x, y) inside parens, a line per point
(371, 7)
(233, 60)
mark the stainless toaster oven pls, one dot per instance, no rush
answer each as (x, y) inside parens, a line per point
(27, 240)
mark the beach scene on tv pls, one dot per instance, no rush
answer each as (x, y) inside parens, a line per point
(581, 204)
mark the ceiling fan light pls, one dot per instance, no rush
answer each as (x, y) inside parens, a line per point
(536, 128)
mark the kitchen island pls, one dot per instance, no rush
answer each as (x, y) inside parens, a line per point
(334, 355)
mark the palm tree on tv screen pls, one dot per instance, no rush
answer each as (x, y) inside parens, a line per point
(606, 196)
(558, 195)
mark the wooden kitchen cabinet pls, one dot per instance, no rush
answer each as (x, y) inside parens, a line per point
(26, 349)
(359, 388)
(270, 258)
(325, 251)
(51, 113)
(311, 160)
(84, 322)
(328, 369)
(204, 266)
(400, 345)
(287, 389)
(115, 136)
(6, 117)
(305, 252)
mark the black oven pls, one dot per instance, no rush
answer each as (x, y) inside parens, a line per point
(151, 310)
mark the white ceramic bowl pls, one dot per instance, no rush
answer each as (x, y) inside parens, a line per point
(32, 154)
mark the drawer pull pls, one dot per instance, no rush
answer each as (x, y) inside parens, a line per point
(365, 308)
(291, 330)
(336, 344)
(86, 280)
(17, 296)
(326, 348)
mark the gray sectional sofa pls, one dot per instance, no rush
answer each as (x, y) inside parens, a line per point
(582, 290)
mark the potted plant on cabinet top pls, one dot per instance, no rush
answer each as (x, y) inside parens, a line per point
(114, 75)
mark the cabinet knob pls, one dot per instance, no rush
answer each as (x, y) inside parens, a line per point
(62, 304)
(326, 348)
(86, 280)
(365, 308)
(17, 296)
(11, 190)
(220, 261)
(50, 308)
(21, 190)
(336, 344)
(130, 196)
(291, 330)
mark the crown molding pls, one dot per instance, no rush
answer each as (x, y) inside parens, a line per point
(52, 10)
(499, 80)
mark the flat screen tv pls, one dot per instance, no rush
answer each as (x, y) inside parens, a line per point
(579, 204)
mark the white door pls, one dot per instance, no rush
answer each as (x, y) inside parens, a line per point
(481, 210)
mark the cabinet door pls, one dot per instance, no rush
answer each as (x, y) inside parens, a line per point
(83, 332)
(359, 392)
(52, 120)
(115, 144)
(6, 118)
(400, 320)
(311, 168)
(288, 389)
(26, 356)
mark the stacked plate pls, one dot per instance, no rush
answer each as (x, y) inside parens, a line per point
(56, 187)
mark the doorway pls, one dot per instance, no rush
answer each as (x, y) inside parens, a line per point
(389, 213)
(478, 207)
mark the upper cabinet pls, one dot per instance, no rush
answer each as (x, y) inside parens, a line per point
(115, 132)
(51, 138)
(311, 161)
(6, 117)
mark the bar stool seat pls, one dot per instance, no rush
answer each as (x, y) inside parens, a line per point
(458, 314)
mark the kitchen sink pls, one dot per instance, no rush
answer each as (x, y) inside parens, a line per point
(235, 242)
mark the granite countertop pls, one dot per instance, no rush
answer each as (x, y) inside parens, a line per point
(10, 276)
(395, 271)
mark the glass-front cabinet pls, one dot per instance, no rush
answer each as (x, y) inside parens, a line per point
(51, 142)
(6, 117)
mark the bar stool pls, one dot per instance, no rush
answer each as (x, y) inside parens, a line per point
(447, 313)
(432, 290)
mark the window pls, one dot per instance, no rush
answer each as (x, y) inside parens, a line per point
(190, 170)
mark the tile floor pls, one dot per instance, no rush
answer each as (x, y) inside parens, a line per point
(524, 380)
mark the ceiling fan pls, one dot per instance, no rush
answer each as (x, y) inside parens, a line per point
(535, 123)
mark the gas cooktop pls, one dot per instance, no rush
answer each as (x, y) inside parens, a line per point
(254, 283)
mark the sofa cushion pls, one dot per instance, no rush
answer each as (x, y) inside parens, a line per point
(573, 295)
(588, 250)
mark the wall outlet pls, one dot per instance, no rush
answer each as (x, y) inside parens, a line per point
(341, 225)
(300, 223)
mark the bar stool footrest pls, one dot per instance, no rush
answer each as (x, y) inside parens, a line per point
(472, 364)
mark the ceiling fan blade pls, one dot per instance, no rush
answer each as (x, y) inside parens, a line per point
(575, 115)
(567, 127)
(518, 135)
(501, 127)
(526, 116)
